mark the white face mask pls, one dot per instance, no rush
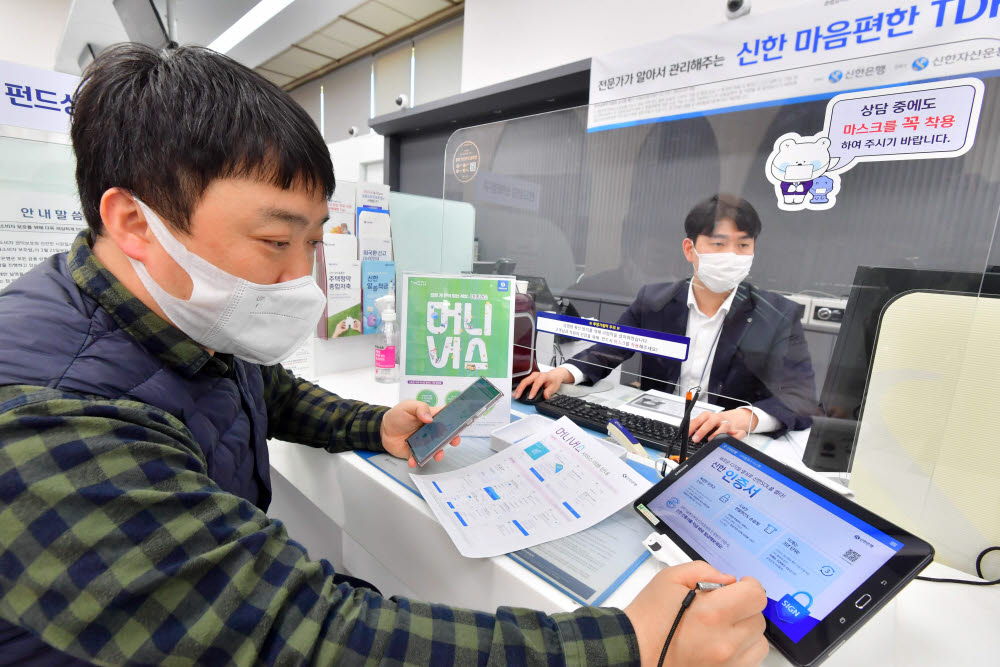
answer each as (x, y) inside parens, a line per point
(723, 271)
(260, 323)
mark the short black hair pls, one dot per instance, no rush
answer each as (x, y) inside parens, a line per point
(701, 220)
(165, 124)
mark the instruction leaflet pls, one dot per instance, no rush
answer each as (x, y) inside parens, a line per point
(556, 484)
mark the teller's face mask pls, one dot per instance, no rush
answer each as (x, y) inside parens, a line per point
(262, 324)
(723, 271)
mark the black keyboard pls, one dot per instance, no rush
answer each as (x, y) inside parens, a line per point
(650, 432)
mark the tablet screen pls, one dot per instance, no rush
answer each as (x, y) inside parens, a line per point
(744, 517)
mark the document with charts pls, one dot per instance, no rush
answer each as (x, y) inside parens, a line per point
(555, 484)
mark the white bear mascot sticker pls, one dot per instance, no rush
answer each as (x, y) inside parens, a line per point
(798, 169)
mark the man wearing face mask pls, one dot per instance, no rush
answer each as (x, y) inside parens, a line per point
(139, 383)
(747, 345)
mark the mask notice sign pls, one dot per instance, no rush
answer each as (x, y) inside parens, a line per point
(917, 122)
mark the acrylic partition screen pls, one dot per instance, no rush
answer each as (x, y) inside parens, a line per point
(595, 222)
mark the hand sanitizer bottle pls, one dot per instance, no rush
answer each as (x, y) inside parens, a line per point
(386, 341)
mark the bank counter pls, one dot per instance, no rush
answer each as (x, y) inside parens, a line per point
(354, 514)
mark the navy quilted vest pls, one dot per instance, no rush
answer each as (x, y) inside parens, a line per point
(52, 334)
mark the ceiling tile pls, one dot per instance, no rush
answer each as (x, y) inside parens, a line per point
(296, 62)
(350, 33)
(326, 45)
(417, 9)
(273, 77)
(379, 17)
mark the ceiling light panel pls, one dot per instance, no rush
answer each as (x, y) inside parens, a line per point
(247, 24)
(417, 9)
(296, 62)
(326, 45)
(351, 33)
(376, 15)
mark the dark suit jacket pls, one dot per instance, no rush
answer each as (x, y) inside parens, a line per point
(761, 356)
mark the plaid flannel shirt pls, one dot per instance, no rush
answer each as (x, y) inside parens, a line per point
(117, 547)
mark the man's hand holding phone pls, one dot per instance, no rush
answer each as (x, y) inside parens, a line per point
(425, 444)
(401, 422)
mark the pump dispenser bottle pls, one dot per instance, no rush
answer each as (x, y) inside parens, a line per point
(386, 341)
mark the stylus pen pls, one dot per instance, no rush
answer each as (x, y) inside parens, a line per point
(685, 603)
(707, 586)
(697, 395)
(682, 430)
(689, 400)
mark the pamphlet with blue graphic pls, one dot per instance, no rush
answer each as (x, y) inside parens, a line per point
(377, 279)
(556, 484)
(588, 566)
(457, 328)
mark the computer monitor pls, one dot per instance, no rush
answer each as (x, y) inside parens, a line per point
(831, 440)
(499, 266)
(539, 290)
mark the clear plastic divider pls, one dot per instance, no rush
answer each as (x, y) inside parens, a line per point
(593, 225)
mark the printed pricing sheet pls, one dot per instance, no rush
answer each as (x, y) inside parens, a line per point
(556, 484)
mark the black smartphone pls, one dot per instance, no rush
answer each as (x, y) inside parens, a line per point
(453, 419)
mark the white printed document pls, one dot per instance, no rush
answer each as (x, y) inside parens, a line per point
(543, 488)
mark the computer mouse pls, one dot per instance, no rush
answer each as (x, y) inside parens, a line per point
(540, 396)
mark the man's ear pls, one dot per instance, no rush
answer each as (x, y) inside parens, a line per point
(688, 246)
(125, 224)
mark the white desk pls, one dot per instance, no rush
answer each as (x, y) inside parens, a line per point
(390, 537)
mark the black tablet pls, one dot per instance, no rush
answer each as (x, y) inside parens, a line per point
(826, 563)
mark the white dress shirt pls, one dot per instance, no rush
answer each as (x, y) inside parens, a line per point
(704, 332)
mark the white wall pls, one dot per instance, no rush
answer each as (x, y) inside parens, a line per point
(513, 38)
(438, 63)
(347, 95)
(30, 31)
(351, 155)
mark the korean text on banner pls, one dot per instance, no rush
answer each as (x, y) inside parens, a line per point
(36, 98)
(815, 52)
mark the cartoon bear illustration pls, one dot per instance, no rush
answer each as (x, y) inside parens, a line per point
(797, 164)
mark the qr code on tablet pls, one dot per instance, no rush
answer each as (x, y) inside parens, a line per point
(852, 555)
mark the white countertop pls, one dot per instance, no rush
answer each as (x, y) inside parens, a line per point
(926, 624)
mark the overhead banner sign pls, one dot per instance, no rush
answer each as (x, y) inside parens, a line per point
(36, 98)
(815, 52)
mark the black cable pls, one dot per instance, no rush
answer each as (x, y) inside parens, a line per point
(979, 572)
(688, 599)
